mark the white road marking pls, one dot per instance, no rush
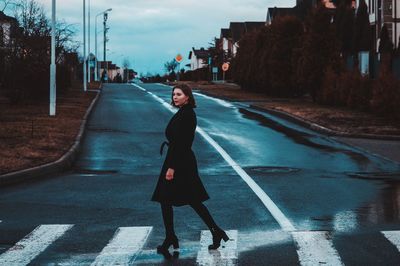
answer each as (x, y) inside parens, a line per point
(308, 252)
(393, 237)
(33, 244)
(265, 199)
(221, 102)
(165, 85)
(124, 246)
(227, 254)
(316, 248)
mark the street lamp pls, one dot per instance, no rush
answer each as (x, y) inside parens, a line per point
(84, 47)
(95, 42)
(89, 41)
(53, 61)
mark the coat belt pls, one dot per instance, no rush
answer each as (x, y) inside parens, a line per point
(162, 146)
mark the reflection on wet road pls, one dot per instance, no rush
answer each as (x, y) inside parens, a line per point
(343, 204)
(310, 176)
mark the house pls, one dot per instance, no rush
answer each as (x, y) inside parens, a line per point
(301, 9)
(108, 68)
(198, 58)
(225, 43)
(237, 31)
(384, 12)
(230, 37)
(131, 74)
(8, 25)
(274, 12)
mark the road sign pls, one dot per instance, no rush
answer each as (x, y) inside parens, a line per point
(215, 70)
(225, 67)
(178, 58)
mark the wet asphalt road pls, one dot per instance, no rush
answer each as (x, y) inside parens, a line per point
(318, 184)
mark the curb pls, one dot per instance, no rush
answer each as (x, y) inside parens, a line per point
(65, 162)
(319, 128)
(308, 124)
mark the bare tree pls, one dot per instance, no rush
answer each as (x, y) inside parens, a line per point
(126, 63)
(6, 3)
(171, 66)
(65, 42)
(28, 68)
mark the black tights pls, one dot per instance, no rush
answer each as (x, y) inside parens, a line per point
(168, 217)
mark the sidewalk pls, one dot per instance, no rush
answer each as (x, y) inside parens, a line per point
(365, 131)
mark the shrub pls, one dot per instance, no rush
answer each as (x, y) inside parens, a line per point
(386, 95)
(347, 88)
(359, 90)
(286, 34)
(319, 50)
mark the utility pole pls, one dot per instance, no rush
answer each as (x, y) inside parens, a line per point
(105, 43)
(96, 72)
(53, 61)
(395, 24)
(84, 48)
(90, 72)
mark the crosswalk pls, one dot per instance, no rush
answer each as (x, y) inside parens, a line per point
(33, 244)
(124, 246)
(127, 244)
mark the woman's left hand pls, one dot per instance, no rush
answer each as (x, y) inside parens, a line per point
(170, 174)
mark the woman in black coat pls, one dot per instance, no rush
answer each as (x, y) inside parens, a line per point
(179, 182)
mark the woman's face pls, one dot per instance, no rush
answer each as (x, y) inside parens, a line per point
(179, 97)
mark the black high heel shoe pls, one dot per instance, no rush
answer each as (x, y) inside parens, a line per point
(218, 234)
(173, 240)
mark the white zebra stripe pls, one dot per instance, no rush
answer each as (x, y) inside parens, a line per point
(393, 237)
(226, 255)
(316, 248)
(124, 247)
(306, 250)
(33, 244)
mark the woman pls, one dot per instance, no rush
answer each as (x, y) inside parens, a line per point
(179, 183)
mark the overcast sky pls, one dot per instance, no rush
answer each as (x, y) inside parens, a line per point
(151, 32)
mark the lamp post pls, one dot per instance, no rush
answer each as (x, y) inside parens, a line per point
(84, 47)
(53, 61)
(90, 72)
(95, 43)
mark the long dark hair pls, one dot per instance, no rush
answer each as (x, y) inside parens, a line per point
(187, 91)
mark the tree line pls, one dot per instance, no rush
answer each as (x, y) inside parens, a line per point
(319, 56)
(25, 61)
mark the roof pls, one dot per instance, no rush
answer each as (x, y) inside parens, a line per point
(253, 25)
(200, 53)
(225, 33)
(5, 18)
(107, 64)
(280, 11)
(237, 30)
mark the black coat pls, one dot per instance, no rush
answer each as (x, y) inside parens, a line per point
(186, 186)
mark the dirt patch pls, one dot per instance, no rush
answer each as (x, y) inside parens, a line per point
(335, 118)
(30, 137)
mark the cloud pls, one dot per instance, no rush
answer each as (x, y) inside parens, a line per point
(151, 32)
